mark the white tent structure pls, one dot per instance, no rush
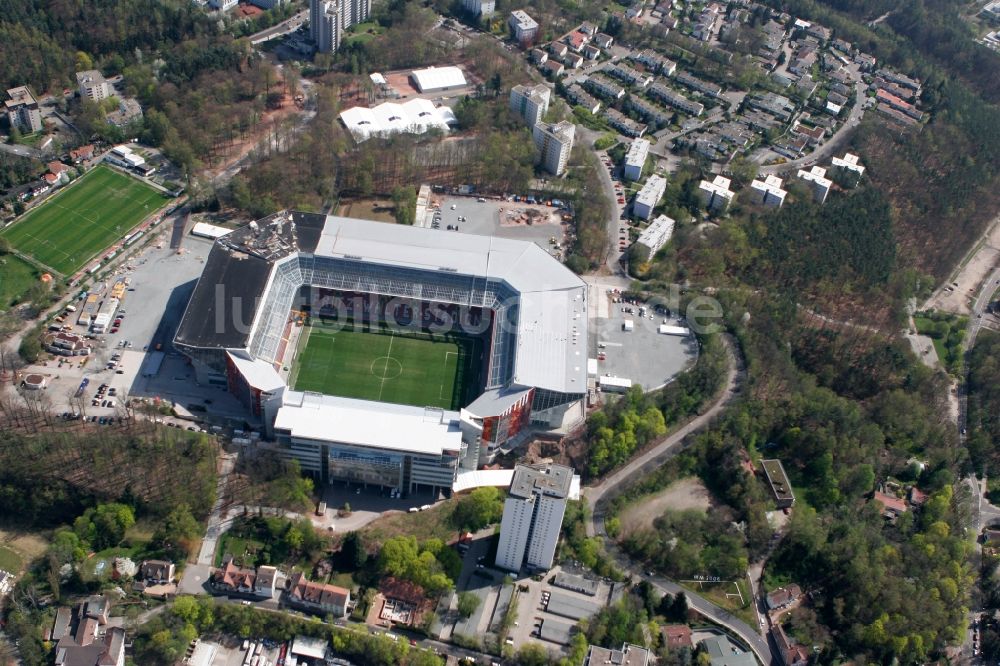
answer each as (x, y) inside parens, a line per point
(415, 116)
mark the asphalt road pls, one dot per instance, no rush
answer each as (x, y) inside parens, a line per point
(288, 25)
(650, 460)
(832, 144)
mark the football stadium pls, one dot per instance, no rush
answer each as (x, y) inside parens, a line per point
(387, 354)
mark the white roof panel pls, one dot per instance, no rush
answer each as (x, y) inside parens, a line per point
(259, 373)
(416, 116)
(552, 319)
(435, 78)
(371, 424)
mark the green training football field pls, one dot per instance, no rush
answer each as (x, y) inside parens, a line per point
(382, 366)
(78, 223)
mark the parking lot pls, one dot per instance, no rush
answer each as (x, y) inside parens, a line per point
(160, 282)
(647, 357)
(476, 215)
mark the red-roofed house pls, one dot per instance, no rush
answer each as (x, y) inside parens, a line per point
(892, 506)
(576, 40)
(317, 597)
(81, 154)
(917, 496)
(792, 654)
(677, 636)
(232, 579)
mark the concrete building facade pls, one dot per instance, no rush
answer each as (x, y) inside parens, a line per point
(329, 19)
(93, 86)
(649, 196)
(532, 516)
(22, 110)
(554, 142)
(635, 159)
(530, 102)
(523, 27)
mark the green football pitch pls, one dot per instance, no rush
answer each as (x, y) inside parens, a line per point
(78, 223)
(383, 366)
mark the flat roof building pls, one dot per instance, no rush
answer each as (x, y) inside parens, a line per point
(781, 487)
(768, 191)
(554, 142)
(531, 103)
(656, 235)
(22, 110)
(523, 27)
(93, 86)
(635, 159)
(716, 195)
(649, 196)
(629, 655)
(532, 516)
(820, 184)
(849, 162)
(438, 79)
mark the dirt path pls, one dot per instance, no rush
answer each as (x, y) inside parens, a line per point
(969, 277)
(681, 495)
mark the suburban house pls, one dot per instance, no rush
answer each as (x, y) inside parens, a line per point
(892, 506)
(792, 654)
(231, 579)
(81, 154)
(84, 638)
(317, 597)
(156, 572)
(783, 597)
(677, 636)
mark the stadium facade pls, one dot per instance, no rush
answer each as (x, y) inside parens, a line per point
(530, 311)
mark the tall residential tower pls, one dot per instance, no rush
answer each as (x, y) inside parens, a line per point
(532, 516)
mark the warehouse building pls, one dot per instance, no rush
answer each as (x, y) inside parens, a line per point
(438, 79)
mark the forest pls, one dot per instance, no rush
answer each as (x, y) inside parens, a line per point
(52, 470)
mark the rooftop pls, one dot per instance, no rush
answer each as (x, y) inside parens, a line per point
(629, 655)
(776, 476)
(384, 426)
(18, 96)
(439, 77)
(524, 22)
(549, 480)
(416, 116)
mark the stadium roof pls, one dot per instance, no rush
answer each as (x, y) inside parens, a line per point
(370, 424)
(436, 78)
(552, 338)
(415, 116)
(551, 309)
(258, 373)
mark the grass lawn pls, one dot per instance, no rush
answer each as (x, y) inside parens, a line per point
(18, 277)
(10, 561)
(434, 523)
(243, 550)
(375, 365)
(719, 594)
(78, 223)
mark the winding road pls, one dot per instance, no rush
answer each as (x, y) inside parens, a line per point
(598, 496)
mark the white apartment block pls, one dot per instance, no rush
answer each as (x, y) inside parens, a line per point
(649, 196)
(22, 110)
(768, 191)
(820, 184)
(716, 195)
(530, 102)
(523, 27)
(479, 8)
(554, 143)
(93, 86)
(328, 20)
(222, 5)
(849, 162)
(656, 235)
(635, 159)
(532, 516)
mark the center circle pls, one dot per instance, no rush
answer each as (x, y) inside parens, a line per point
(386, 367)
